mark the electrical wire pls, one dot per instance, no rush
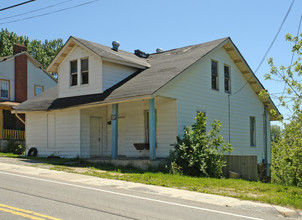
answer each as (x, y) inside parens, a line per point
(39, 9)
(48, 13)
(272, 43)
(13, 6)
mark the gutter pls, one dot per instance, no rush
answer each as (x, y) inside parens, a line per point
(266, 165)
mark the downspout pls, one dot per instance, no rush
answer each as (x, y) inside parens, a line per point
(16, 114)
(265, 140)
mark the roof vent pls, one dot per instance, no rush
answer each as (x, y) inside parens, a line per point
(115, 45)
(141, 54)
(159, 50)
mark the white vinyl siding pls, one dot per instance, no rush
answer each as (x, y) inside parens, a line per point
(7, 72)
(192, 92)
(39, 133)
(95, 74)
(114, 73)
(37, 78)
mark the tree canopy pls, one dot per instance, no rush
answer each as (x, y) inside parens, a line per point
(43, 52)
(287, 144)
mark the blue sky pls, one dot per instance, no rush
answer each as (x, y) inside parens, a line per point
(147, 25)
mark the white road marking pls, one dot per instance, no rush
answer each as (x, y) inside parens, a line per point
(131, 196)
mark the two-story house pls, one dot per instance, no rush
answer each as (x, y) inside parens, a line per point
(21, 77)
(117, 104)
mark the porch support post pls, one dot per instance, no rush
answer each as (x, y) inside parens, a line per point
(114, 123)
(152, 140)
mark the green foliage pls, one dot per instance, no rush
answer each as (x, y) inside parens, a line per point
(199, 153)
(287, 145)
(43, 52)
(275, 133)
(287, 155)
(13, 147)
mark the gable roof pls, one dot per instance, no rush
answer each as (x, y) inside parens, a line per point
(106, 53)
(33, 61)
(165, 66)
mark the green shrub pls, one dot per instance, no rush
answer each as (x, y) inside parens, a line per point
(199, 153)
(13, 147)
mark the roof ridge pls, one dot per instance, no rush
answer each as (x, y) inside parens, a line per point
(222, 39)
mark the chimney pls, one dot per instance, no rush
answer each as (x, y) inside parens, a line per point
(20, 74)
(19, 48)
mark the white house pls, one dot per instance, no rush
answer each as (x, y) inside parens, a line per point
(21, 77)
(113, 103)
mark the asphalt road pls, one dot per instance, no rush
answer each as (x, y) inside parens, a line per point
(24, 196)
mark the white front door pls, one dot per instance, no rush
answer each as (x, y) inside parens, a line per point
(96, 134)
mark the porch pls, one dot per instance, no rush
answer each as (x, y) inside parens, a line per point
(11, 127)
(131, 132)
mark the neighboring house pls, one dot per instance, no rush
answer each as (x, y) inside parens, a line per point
(112, 103)
(21, 77)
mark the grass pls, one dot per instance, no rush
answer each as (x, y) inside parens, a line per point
(288, 196)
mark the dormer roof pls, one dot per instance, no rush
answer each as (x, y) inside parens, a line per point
(106, 53)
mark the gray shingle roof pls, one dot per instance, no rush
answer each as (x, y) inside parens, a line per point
(107, 52)
(165, 66)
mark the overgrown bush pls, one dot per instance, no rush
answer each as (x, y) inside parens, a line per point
(13, 147)
(287, 154)
(199, 153)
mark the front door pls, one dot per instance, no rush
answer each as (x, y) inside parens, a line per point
(96, 134)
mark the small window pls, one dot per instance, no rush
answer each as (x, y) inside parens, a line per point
(84, 71)
(73, 73)
(4, 89)
(252, 131)
(214, 71)
(39, 89)
(227, 81)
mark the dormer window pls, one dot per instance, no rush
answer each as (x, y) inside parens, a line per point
(73, 73)
(84, 71)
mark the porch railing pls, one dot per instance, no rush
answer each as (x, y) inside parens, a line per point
(13, 134)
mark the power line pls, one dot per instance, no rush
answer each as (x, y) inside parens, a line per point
(289, 9)
(39, 9)
(13, 6)
(48, 13)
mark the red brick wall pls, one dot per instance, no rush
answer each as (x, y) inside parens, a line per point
(20, 74)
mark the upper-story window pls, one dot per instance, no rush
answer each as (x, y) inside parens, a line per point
(214, 74)
(74, 73)
(39, 89)
(227, 81)
(4, 93)
(84, 71)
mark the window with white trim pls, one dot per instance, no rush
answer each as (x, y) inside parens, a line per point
(73, 73)
(4, 93)
(227, 81)
(214, 75)
(84, 71)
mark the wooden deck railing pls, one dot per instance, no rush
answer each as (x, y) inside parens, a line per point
(13, 134)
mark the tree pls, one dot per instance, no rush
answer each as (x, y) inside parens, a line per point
(199, 153)
(43, 52)
(275, 133)
(287, 151)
